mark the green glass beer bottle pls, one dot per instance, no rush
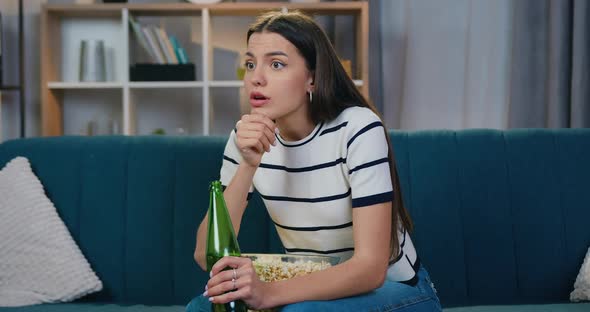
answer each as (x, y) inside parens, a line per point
(221, 240)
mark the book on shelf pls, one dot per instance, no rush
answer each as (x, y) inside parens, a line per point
(152, 40)
(165, 45)
(142, 39)
(160, 47)
(180, 53)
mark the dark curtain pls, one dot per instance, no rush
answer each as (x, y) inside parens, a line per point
(550, 86)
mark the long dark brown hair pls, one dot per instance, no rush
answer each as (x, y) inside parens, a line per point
(333, 91)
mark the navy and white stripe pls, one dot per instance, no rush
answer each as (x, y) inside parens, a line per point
(335, 128)
(407, 263)
(315, 228)
(311, 186)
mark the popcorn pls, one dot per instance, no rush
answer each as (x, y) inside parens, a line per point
(272, 269)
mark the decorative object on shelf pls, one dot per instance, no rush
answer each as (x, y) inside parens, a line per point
(159, 131)
(162, 72)
(114, 127)
(181, 131)
(110, 66)
(240, 72)
(347, 64)
(92, 61)
(91, 128)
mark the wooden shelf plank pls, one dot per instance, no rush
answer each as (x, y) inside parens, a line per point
(84, 10)
(84, 85)
(226, 83)
(165, 84)
(189, 9)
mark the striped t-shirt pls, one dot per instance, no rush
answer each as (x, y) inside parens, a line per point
(310, 186)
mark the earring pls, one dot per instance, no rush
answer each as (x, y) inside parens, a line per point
(310, 97)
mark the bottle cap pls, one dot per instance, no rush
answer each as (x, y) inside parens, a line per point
(216, 185)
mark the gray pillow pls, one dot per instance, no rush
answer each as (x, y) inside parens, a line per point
(39, 260)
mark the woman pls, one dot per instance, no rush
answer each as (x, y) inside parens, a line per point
(319, 155)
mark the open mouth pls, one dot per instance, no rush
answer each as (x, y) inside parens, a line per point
(258, 99)
(258, 96)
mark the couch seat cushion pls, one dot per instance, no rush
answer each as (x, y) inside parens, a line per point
(565, 307)
(93, 307)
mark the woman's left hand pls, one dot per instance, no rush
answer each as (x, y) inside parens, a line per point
(238, 283)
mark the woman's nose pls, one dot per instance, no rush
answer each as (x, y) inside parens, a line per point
(258, 78)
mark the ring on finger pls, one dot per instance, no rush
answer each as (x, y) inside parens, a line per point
(233, 280)
(235, 274)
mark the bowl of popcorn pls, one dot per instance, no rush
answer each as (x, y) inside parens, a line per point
(278, 267)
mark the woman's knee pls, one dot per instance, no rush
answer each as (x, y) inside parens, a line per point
(305, 306)
(429, 305)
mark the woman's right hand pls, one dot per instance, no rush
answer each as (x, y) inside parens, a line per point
(255, 134)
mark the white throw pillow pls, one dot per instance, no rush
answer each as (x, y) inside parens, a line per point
(582, 285)
(39, 260)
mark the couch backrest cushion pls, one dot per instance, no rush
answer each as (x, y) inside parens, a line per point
(133, 205)
(501, 216)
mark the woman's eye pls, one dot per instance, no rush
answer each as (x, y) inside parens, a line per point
(249, 65)
(277, 65)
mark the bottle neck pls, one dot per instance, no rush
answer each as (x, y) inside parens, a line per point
(216, 187)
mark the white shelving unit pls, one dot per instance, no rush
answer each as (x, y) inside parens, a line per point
(64, 26)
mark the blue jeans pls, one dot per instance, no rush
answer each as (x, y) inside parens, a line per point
(392, 296)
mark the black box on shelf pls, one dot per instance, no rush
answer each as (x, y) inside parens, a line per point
(162, 72)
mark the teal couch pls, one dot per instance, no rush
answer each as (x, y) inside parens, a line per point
(502, 217)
